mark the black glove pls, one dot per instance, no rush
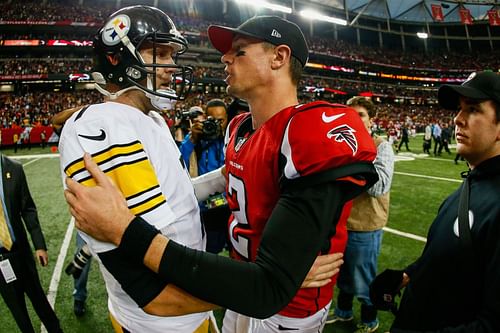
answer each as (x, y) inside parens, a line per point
(384, 289)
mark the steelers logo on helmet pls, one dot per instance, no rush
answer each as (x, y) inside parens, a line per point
(115, 29)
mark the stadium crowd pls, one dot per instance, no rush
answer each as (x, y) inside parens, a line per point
(54, 11)
(22, 66)
(39, 107)
(92, 11)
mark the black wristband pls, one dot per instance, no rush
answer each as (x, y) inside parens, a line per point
(137, 238)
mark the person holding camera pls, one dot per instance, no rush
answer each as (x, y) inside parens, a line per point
(203, 151)
(79, 268)
(206, 140)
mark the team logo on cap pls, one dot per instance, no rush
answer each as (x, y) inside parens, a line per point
(473, 75)
(115, 29)
(275, 33)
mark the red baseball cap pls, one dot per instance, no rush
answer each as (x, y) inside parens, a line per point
(272, 29)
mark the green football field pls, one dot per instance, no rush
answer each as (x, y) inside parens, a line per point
(420, 185)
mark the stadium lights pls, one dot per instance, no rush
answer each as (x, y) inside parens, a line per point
(311, 14)
(265, 4)
(422, 35)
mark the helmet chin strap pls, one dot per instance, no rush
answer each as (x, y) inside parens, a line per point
(100, 81)
(159, 102)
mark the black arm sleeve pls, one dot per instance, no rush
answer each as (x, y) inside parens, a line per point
(298, 226)
(139, 282)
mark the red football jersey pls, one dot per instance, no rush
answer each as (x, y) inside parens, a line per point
(298, 141)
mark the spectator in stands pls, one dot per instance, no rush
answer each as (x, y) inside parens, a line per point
(369, 214)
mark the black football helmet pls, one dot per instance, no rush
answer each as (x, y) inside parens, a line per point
(117, 46)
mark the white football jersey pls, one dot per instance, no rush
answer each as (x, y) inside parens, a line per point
(138, 152)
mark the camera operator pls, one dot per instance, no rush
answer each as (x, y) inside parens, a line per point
(184, 120)
(206, 140)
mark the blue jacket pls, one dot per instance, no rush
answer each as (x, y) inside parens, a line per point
(210, 154)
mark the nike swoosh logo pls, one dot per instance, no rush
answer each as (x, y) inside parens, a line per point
(283, 328)
(99, 137)
(329, 119)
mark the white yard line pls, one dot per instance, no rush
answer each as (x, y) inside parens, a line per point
(28, 163)
(56, 275)
(405, 234)
(24, 157)
(428, 177)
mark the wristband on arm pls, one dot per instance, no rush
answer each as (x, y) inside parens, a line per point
(137, 238)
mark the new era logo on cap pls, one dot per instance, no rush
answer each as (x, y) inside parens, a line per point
(275, 33)
(272, 29)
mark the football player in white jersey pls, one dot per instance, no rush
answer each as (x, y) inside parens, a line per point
(134, 69)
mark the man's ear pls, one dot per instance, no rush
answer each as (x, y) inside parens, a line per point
(282, 54)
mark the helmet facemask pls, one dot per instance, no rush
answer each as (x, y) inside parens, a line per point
(181, 76)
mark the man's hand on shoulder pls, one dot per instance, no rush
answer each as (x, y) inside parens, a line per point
(100, 211)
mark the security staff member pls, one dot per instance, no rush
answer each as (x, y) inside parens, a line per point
(18, 271)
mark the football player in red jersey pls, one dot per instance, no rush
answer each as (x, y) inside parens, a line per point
(291, 171)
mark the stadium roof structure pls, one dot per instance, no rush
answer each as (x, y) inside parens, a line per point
(413, 10)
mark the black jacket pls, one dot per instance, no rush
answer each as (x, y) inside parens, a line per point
(19, 205)
(447, 292)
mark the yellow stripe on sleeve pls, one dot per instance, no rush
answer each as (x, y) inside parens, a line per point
(104, 156)
(132, 179)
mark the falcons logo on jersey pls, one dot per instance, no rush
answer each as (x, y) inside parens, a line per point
(344, 133)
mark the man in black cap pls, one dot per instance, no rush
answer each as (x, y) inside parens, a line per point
(290, 172)
(454, 285)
